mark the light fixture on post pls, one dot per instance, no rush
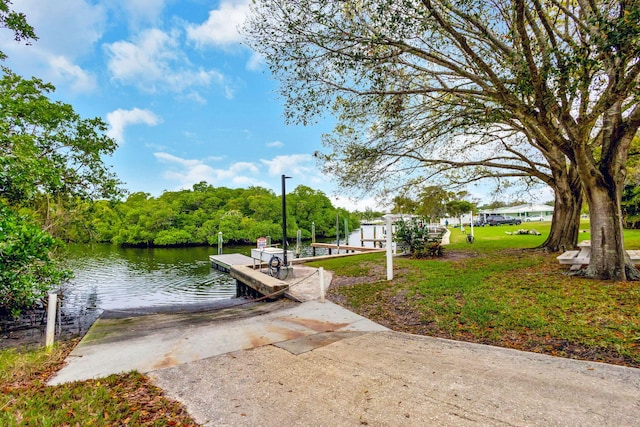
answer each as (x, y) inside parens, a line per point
(284, 221)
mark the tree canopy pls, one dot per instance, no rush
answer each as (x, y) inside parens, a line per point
(407, 78)
(195, 217)
(47, 148)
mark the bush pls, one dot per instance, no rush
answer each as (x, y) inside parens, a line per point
(419, 238)
(27, 271)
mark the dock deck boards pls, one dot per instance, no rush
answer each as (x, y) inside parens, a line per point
(333, 246)
(225, 261)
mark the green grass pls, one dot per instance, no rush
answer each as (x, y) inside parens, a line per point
(496, 291)
(129, 399)
(495, 238)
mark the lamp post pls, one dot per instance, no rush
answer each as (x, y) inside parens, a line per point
(284, 220)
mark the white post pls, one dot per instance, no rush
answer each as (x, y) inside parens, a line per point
(321, 274)
(387, 218)
(471, 215)
(51, 320)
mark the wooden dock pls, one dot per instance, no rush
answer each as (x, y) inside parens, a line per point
(226, 261)
(333, 246)
(377, 243)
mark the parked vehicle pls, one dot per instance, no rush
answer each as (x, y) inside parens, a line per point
(501, 219)
(534, 218)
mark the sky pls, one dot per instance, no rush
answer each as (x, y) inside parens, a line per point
(184, 98)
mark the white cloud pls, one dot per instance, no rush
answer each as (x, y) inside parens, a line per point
(64, 27)
(153, 61)
(79, 79)
(140, 12)
(295, 164)
(119, 119)
(240, 166)
(67, 32)
(256, 61)
(360, 204)
(191, 171)
(275, 144)
(221, 29)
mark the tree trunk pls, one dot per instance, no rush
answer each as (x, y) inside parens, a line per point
(565, 224)
(609, 260)
(603, 181)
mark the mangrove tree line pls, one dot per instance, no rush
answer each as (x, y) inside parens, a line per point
(196, 216)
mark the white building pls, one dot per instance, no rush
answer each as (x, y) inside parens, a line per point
(522, 211)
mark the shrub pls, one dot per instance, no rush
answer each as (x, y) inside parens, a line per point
(27, 270)
(419, 237)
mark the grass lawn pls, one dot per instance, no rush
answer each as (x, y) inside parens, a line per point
(118, 400)
(499, 291)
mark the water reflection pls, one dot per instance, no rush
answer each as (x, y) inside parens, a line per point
(109, 277)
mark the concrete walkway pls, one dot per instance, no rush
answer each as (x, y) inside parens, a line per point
(317, 364)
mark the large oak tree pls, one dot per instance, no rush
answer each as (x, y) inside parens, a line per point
(564, 72)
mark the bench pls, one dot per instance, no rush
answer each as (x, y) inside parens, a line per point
(577, 259)
(634, 255)
(574, 258)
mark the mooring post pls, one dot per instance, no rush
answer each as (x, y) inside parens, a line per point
(337, 235)
(298, 243)
(321, 279)
(346, 232)
(219, 242)
(51, 320)
(388, 217)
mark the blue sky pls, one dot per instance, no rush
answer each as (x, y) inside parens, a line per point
(184, 98)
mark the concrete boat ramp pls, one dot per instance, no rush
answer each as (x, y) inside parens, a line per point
(317, 364)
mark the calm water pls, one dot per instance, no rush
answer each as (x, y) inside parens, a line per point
(110, 277)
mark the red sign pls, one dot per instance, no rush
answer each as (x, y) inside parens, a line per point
(262, 242)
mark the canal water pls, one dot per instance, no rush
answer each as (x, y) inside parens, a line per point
(108, 277)
(111, 277)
